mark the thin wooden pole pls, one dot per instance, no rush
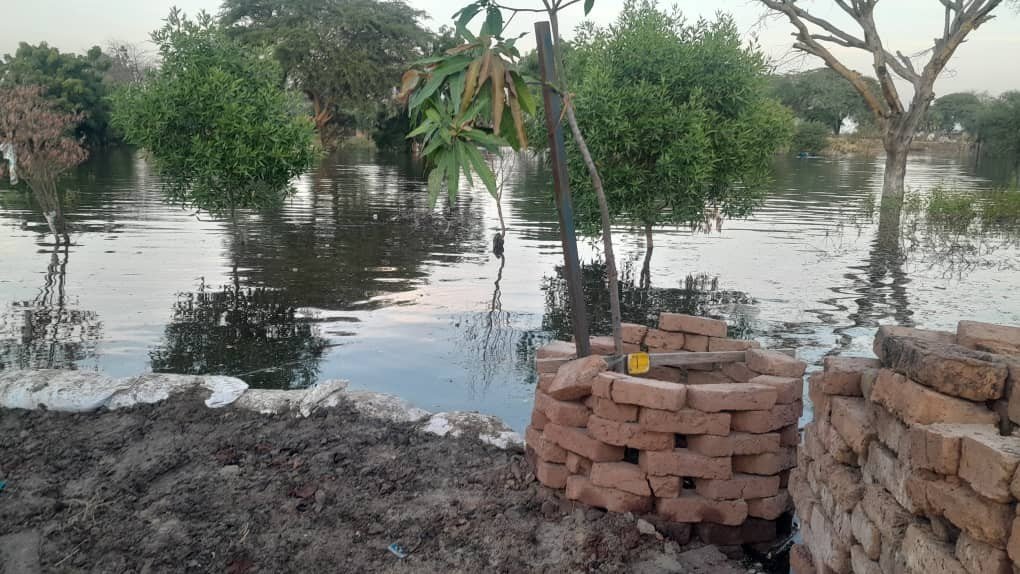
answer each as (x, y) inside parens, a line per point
(561, 186)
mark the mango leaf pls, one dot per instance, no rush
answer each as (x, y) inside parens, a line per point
(497, 73)
(452, 174)
(470, 82)
(436, 181)
(466, 14)
(524, 95)
(493, 22)
(481, 168)
(488, 140)
(518, 119)
(465, 163)
(453, 65)
(588, 6)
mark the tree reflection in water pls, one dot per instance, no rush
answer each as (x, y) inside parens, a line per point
(698, 295)
(48, 332)
(252, 333)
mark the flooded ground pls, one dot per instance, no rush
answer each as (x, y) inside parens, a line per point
(355, 278)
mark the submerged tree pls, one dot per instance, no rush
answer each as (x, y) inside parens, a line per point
(897, 120)
(680, 118)
(822, 95)
(73, 81)
(44, 149)
(998, 127)
(959, 110)
(216, 120)
(344, 55)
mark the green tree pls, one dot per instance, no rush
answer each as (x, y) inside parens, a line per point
(344, 55)
(811, 137)
(680, 118)
(821, 95)
(74, 81)
(959, 109)
(216, 120)
(998, 129)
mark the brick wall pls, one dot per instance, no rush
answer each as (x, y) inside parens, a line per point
(705, 450)
(910, 463)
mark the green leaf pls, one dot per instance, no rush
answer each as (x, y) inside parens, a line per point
(490, 141)
(424, 127)
(524, 96)
(588, 6)
(436, 180)
(453, 65)
(465, 163)
(481, 168)
(466, 14)
(452, 174)
(493, 22)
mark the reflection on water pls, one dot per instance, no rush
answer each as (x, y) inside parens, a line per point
(355, 277)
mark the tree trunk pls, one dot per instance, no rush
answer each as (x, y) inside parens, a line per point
(646, 269)
(896, 150)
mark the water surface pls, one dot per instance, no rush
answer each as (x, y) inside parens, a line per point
(354, 277)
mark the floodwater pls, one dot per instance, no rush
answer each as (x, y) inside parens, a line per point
(354, 277)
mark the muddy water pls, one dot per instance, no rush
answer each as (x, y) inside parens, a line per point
(355, 278)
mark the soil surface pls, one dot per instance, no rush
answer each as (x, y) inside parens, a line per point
(178, 487)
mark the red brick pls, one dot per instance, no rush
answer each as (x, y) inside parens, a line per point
(731, 397)
(544, 448)
(648, 393)
(905, 484)
(567, 413)
(664, 341)
(683, 462)
(819, 400)
(685, 421)
(844, 483)
(602, 386)
(989, 461)
(1013, 545)
(691, 324)
(980, 558)
(668, 374)
(538, 419)
(801, 561)
(621, 476)
(986, 520)
(934, 447)
(738, 371)
(888, 517)
(582, 489)
(866, 533)
(1000, 339)
(917, 404)
(843, 374)
(788, 389)
(633, 333)
(826, 546)
(739, 486)
(925, 553)
(695, 343)
(579, 441)
(708, 378)
(752, 531)
(788, 436)
(774, 363)
(950, 369)
(690, 507)
(574, 379)
(717, 344)
(545, 381)
(551, 474)
(577, 464)
(607, 346)
(556, 350)
(860, 563)
(896, 331)
(549, 366)
(766, 463)
(736, 443)
(767, 421)
(665, 486)
(853, 420)
(608, 409)
(629, 434)
(890, 430)
(771, 507)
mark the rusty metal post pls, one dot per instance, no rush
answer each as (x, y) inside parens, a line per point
(561, 186)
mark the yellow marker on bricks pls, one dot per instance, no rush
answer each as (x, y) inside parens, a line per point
(638, 363)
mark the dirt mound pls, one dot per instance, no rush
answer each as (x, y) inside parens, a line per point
(179, 487)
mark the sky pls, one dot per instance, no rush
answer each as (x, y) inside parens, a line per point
(988, 62)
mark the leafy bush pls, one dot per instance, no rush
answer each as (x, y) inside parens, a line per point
(811, 137)
(216, 121)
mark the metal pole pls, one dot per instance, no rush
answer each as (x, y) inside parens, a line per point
(561, 186)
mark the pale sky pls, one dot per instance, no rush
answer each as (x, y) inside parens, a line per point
(989, 61)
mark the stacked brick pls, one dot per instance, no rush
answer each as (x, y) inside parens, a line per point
(704, 450)
(910, 463)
